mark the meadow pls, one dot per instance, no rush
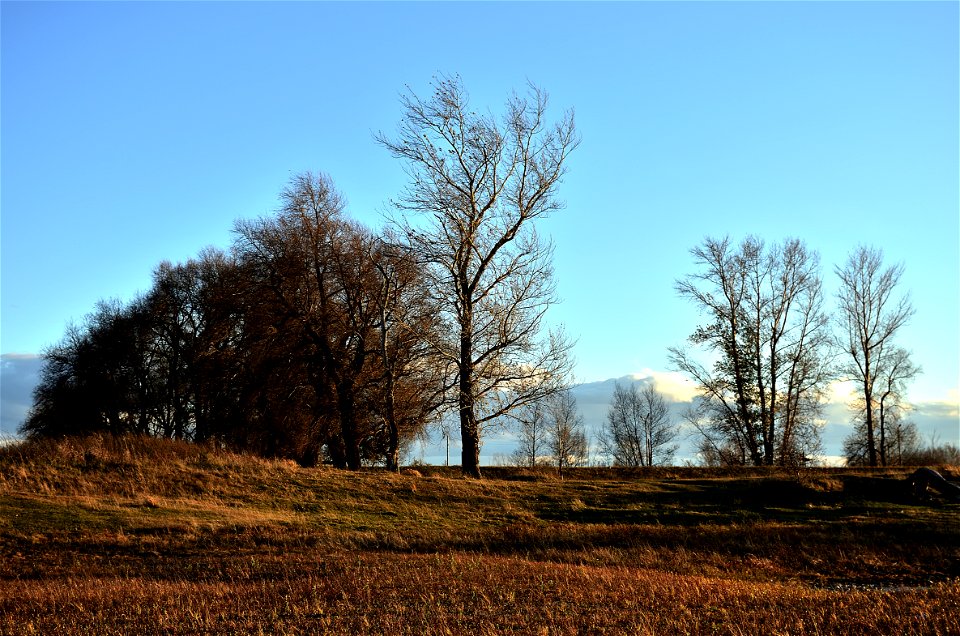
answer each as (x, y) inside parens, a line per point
(134, 536)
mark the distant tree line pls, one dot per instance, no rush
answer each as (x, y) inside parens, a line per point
(902, 445)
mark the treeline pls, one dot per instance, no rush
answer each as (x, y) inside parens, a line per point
(317, 339)
(308, 339)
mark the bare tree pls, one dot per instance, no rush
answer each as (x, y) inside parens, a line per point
(767, 329)
(533, 441)
(870, 315)
(639, 430)
(568, 442)
(477, 186)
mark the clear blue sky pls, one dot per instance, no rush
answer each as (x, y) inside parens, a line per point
(137, 132)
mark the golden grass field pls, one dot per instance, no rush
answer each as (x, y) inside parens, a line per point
(134, 536)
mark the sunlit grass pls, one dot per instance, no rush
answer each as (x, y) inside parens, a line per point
(458, 593)
(139, 536)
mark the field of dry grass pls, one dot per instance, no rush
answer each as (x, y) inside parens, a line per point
(102, 536)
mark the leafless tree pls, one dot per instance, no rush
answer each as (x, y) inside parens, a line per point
(533, 440)
(767, 329)
(870, 315)
(192, 324)
(567, 441)
(477, 186)
(639, 430)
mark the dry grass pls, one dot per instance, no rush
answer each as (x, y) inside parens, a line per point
(145, 536)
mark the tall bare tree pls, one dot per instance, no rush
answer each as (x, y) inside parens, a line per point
(870, 315)
(639, 430)
(478, 184)
(768, 331)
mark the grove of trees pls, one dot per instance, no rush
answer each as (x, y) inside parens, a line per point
(308, 340)
(551, 433)
(775, 353)
(769, 333)
(318, 339)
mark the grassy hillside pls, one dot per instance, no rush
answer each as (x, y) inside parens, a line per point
(147, 536)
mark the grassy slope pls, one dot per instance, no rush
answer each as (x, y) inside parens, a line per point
(114, 536)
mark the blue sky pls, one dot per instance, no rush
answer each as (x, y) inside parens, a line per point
(138, 132)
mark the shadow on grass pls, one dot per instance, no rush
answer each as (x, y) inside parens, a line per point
(725, 501)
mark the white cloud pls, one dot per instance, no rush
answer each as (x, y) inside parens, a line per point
(832, 461)
(674, 385)
(939, 408)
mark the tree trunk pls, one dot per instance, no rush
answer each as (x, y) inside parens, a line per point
(335, 449)
(393, 453)
(469, 430)
(348, 426)
(871, 442)
(393, 427)
(883, 435)
(470, 436)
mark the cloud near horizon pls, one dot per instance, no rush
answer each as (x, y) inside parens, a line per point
(19, 374)
(673, 384)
